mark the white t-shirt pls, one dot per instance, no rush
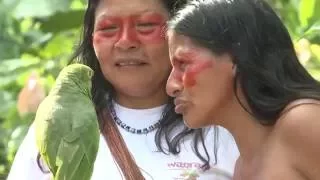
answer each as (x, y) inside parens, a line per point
(154, 165)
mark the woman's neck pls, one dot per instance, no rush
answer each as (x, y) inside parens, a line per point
(248, 133)
(142, 102)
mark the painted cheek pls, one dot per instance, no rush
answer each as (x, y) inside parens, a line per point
(97, 39)
(101, 40)
(189, 77)
(106, 31)
(102, 45)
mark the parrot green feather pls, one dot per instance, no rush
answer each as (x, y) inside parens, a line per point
(67, 129)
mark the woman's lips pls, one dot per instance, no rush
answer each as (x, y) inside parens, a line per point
(180, 106)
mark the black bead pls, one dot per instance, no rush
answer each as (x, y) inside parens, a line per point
(133, 130)
(123, 125)
(128, 128)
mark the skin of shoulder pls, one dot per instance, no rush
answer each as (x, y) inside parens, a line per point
(298, 132)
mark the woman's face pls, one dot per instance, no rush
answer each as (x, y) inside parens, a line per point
(129, 42)
(200, 81)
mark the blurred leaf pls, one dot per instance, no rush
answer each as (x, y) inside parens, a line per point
(6, 101)
(307, 8)
(316, 14)
(16, 138)
(78, 4)
(11, 70)
(290, 17)
(315, 73)
(8, 6)
(6, 80)
(8, 48)
(315, 49)
(59, 45)
(35, 40)
(48, 82)
(63, 21)
(12, 118)
(17, 65)
(40, 8)
(313, 30)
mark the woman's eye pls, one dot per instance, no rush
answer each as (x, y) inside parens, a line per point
(146, 24)
(145, 27)
(109, 28)
(108, 31)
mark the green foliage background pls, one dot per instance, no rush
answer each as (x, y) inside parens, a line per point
(40, 35)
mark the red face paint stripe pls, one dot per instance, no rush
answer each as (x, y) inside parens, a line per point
(128, 28)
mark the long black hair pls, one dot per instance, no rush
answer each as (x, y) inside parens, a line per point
(267, 67)
(101, 87)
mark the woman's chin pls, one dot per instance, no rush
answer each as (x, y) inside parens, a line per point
(196, 122)
(191, 123)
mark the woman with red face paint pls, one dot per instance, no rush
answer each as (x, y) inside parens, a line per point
(141, 135)
(234, 65)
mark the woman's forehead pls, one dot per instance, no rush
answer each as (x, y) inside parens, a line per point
(135, 7)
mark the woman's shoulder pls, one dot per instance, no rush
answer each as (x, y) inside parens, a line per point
(298, 104)
(298, 131)
(300, 114)
(300, 118)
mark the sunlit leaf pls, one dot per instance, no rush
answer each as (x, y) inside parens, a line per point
(40, 8)
(315, 73)
(78, 4)
(307, 8)
(59, 45)
(16, 65)
(315, 49)
(313, 30)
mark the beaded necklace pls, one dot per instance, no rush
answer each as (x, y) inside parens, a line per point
(128, 128)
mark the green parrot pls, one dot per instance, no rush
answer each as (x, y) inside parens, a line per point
(66, 125)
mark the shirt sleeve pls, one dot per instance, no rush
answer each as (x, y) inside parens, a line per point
(25, 166)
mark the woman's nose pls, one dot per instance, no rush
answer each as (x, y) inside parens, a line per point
(174, 85)
(128, 39)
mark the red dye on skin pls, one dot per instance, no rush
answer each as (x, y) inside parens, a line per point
(145, 28)
(96, 39)
(189, 79)
(194, 63)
